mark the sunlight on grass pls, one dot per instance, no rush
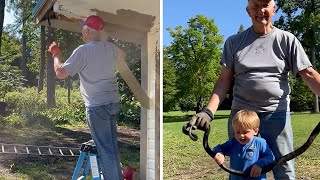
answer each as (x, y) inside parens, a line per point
(186, 159)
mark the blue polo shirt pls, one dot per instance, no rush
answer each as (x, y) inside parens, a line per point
(243, 157)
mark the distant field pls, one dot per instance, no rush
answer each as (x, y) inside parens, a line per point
(186, 159)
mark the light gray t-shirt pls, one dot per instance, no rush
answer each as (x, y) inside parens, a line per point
(261, 64)
(95, 64)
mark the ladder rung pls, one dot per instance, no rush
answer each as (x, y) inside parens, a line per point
(39, 151)
(15, 149)
(71, 152)
(2, 147)
(50, 151)
(61, 152)
(27, 150)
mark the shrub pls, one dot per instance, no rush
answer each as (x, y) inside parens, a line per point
(10, 79)
(301, 96)
(129, 111)
(32, 108)
(13, 120)
(28, 107)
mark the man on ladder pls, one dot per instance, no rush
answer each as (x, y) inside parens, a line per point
(95, 62)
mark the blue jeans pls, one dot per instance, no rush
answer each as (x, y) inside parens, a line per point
(276, 129)
(102, 123)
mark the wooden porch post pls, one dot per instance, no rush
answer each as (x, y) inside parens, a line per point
(149, 147)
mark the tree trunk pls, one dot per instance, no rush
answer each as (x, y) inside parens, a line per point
(24, 50)
(24, 57)
(2, 9)
(42, 58)
(68, 81)
(50, 73)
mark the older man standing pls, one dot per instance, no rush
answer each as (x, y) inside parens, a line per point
(95, 62)
(259, 60)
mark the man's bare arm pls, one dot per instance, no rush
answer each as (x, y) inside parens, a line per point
(61, 73)
(312, 78)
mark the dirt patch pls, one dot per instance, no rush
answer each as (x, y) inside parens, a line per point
(54, 167)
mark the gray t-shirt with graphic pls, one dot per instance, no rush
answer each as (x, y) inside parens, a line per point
(261, 65)
(95, 64)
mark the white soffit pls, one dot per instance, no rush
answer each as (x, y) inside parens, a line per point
(81, 8)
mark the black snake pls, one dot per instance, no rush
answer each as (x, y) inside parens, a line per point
(186, 129)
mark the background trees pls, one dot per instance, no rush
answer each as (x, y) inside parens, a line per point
(302, 18)
(191, 61)
(25, 63)
(194, 53)
(169, 84)
(2, 10)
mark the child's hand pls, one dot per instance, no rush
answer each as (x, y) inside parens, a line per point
(219, 158)
(255, 171)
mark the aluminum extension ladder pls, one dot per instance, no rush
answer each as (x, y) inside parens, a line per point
(37, 150)
(88, 157)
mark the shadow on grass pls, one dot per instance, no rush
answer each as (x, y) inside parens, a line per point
(55, 167)
(186, 118)
(39, 167)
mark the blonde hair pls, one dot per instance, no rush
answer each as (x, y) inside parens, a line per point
(245, 119)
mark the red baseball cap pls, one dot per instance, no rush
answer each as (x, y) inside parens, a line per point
(95, 22)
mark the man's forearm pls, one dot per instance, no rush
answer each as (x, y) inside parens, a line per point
(312, 78)
(57, 62)
(61, 73)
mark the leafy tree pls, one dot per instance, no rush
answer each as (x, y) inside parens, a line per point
(301, 96)
(42, 59)
(10, 75)
(10, 79)
(302, 18)
(28, 30)
(196, 51)
(169, 83)
(10, 49)
(2, 9)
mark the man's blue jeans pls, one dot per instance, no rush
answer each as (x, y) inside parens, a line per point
(276, 129)
(102, 123)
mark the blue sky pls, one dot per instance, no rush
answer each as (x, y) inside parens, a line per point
(228, 15)
(8, 18)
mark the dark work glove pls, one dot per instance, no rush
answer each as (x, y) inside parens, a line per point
(202, 119)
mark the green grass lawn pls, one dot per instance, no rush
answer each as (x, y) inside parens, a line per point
(186, 159)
